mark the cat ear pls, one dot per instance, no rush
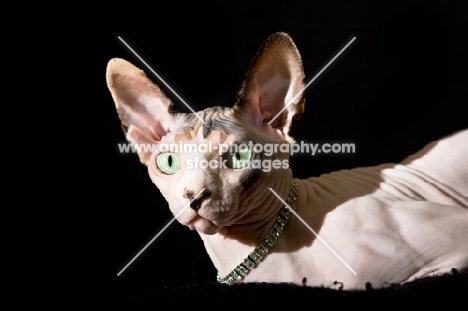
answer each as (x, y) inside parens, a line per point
(144, 111)
(274, 78)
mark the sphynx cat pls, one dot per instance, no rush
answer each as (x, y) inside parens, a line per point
(390, 223)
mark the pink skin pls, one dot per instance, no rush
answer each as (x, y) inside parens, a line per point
(390, 223)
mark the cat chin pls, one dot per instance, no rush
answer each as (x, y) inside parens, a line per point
(204, 226)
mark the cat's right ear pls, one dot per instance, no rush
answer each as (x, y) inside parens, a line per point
(144, 111)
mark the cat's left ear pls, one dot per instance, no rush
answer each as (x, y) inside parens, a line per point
(273, 80)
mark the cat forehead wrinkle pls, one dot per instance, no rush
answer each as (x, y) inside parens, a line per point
(220, 118)
(184, 121)
(217, 128)
(186, 117)
(220, 125)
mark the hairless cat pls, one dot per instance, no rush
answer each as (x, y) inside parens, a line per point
(385, 224)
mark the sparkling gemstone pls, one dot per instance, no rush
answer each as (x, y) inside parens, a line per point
(249, 263)
(274, 233)
(270, 240)
(242, 270)
(255, 256)
(263, 248)
(281, 221)
(278, 228)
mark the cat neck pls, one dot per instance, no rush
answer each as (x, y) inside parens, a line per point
(232, 244)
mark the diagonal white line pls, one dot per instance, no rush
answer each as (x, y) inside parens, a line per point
(162, 230)
(307, 85)
(168, 86)
(312, 230)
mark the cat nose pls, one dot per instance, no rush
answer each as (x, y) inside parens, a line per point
(196, 203)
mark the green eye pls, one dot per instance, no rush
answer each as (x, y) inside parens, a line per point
(168, 162)
(238, 158)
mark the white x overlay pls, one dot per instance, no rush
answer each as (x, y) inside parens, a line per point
(312, 230)
(310, 82)
(161, 231)
(162, 80)
(201, 191)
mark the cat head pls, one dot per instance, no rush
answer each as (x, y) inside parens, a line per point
(223, 159)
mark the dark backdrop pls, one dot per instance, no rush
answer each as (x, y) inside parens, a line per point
(399, 85)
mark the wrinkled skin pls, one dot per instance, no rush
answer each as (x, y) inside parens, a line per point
(385, 224)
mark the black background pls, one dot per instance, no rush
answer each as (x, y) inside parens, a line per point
(399, 85)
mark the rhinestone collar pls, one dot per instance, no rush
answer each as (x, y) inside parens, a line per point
(254, 258)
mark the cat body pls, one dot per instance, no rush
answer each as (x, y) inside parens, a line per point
(386, 224)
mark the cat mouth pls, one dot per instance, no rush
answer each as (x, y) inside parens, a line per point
(204, 225)
(206, 219)
(199, 218)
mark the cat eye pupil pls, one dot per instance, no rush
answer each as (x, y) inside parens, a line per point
(168, 162)
(238, 158)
